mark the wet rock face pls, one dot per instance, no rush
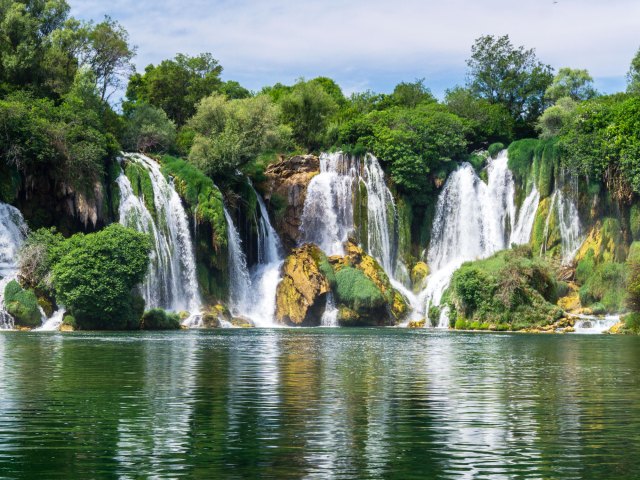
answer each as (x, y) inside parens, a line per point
(286, 190)
(301, 295)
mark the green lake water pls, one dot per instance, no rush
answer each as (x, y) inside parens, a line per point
(319, 403)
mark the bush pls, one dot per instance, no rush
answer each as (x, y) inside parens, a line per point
(632, 322)
(634, 221)
(95, 278)
(158, 319)
(22, 305)
(149, 129)
(356, 290)
(69, 320)
(495, 148)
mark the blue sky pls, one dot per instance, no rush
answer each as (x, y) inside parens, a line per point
(374, 44)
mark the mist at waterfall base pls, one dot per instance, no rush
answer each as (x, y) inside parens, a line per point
(253, 290)
(171, 282)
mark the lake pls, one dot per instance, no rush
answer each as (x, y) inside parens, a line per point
(319, 403)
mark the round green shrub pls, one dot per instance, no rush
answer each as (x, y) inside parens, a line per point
(159, 319)
(495, 148)
(69, 320)
(22, 305)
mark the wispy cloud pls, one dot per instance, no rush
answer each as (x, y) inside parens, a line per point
(375, 43)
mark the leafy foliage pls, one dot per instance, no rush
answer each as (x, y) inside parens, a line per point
(158, 319)
(149, 129)
(22, 305)
(509, 76)
(94, 278)
(230, 133)
(571, 83)
(176, 86)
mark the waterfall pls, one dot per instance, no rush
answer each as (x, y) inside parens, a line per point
(327, 217)
(171, 282)
(52, 324)
(253, 290)
(563, 205)
(13, 231)
(473, 220)
(591, 324)
(330, 315)
(328, 213)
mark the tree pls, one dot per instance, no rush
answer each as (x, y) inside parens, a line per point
(308, 109)
(25, 30)
(489, 122)
(94, 279)
(556, 117)
(230, 133)
(177, 85)
(410, 94)
(573, 83)
(149, 129)
(633, 76)
(509, 76)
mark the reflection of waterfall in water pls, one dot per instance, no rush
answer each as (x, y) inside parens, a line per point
(473, 220)
(330, 207)
(12, 233)
(171, 282)
(253, 290)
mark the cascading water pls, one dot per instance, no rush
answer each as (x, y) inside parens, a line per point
(328, 214)
(563, 206)
(327, 217)
(253, 290)
(12, 233)
(171, 282)
(589, 324)
(53, 323)
(474, 220)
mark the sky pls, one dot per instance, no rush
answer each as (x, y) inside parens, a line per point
(375, 44)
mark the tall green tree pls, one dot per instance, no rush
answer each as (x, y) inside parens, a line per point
(573, 83)
(510, 76)
(176, 86)
(308, 110)
(230, 133)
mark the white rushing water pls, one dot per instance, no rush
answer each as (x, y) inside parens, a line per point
(327, 217)
(589, 324)
(13, 231)
(253, 290)
(566, 212)
(171, 282)
(473, 220)
(53, 323)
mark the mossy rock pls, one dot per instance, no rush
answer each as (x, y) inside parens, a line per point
(159, 319)
(418, 323)
(419, 274)
(606, 241)
(301, 294)
(22, 305)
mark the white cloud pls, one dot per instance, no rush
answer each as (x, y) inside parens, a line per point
(374, 43)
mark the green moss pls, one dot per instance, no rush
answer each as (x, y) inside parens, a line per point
(203, 198)
(632, 322)
(521, 155)
(495, 148)
(22, 305)
(356, 290)
(141, 184)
